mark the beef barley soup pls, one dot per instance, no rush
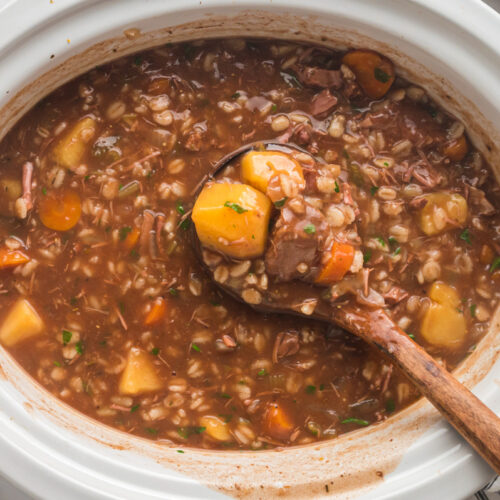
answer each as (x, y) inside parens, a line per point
(104, 303)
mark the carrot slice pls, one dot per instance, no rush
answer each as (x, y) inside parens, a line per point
(277, 422)
(341, 257)
(374, 73)
(12, 258)
(457, 149)
(157, 312)
(60, 209)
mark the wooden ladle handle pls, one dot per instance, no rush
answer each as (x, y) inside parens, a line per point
(470, 417)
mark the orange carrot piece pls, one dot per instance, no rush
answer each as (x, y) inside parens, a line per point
(374, 73)
(60, 209)
(157, 312)
(12, 258)
(132, 238)
(457, 149)
(341, 257)
(277, 422)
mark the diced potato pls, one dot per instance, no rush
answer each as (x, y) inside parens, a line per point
(22, 322)
(215, 428)
(277, 422)
(258, 168)
(70, 149)
(232, 219)
(443, 326)
(440, 209)
(139, 375)
(444, 294)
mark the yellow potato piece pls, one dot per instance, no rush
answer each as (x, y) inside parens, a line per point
(70, 149)
(22, 322)
(215, 428)
(139, 375)
(259, 167)
(443, 326)
(232, 219)
(444, 294)
(440, 209)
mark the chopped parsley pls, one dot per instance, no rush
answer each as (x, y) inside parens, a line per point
(310, 389)
(66, 337)
(56, 363)
(155, 351)
(185, 432)
(224, 395)
(134, 408)
(392, 240)
(357, 421)
(397, 251)
(137, 60)
(466, 236)
(73, 301)
(495, 264)
(235, 95)
(195, 348)
(152, 431)
(390, 405)
(173, 291)
(337, 188)
(180, 451)
(280, 203)
(180, 208)
(367, 256)
(473, 308)
(381, 75)
(274, 108)
(381, 241)
(79, 348)
(411, 335)
(262, 373)
(234, 206)
(184, 225)
(44, 191)
(310, 229)
(123, 232)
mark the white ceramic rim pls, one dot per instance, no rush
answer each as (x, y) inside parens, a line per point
(59, 462)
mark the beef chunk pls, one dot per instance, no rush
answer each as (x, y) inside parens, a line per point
(322, 103)
(311, 76)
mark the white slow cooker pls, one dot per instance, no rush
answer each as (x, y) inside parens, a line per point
(52, 452)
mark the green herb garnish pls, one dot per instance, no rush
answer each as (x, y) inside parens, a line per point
(180, 451)
(381, 241)
(44, 191)
(310, 229)
(367, 256)
(466, 236)
(495, 264)
(235, 95)
(155, 351)
(195, 348)
(357, 421)
(381, 75)
(66, 337)
(134, 408)
(79, 348)
(397, 251)
(123, 232)
(280, 203)
(262, 373)
(234, 206)
(473, 308)
(180, 208)
(390, 405)
(373, 190)
(224, 395)
(337, 188)
(56, 363)
(274, 108)
(150, 430)
(173, 291)
(310, 389)
(184, 225)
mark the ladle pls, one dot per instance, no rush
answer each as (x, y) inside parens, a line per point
(470, 417)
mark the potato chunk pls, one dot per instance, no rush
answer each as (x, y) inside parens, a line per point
(10, 191)
(215, 428)
(232, 219)
(70, 149)
(443, 324)
(441, 211)
(139, 375)
(274, 173)
(21, 323)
